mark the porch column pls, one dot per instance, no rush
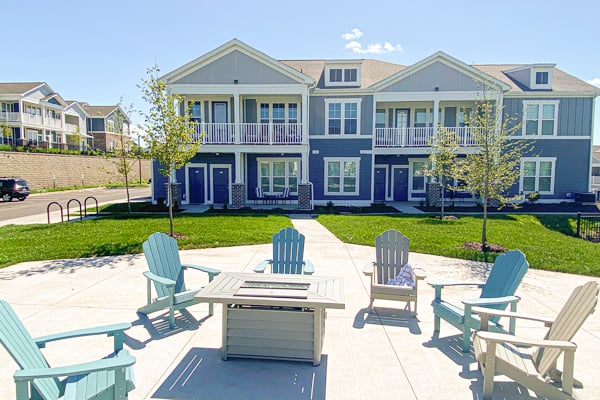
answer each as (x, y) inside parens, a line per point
(304, 120)
(436, 116)
(304, 162)
(238, 167)
(237, 120)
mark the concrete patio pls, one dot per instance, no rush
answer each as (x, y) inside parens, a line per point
(385, 354)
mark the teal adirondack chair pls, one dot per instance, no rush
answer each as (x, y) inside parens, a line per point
(167, 274)
(108, 378)
(497, 292)
(288, 254)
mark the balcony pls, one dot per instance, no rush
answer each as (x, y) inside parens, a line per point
(249, 133)
(420, 137)
(10, 116)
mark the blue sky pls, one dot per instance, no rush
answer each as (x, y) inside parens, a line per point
(99, 51)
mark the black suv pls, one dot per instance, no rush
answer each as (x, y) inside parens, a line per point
(13, 188)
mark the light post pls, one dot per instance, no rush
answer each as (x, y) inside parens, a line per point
(140, 158)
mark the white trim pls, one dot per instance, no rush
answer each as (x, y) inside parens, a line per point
(187, 181)
(548, 137)
(540, 104)
(230, 90)
(343, 67)
(327, 160)
(533, 77)
(537, 161)
(343, 102)
(212, 182)
(271, 160)
(322, 136)
(411, 175)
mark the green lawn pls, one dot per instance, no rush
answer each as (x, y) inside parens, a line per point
(114, 236)
(546, 240)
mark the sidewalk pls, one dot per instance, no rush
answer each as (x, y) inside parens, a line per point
(383, 355)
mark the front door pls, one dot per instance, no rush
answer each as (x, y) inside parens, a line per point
(220, 178)
(379, 185)
(196, 176)
(402, 123)
(400, 184)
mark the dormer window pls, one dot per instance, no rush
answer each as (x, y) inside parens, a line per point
(342, 75)
(541, 78)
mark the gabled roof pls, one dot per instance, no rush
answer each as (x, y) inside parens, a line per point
(228, 47)
(55, 96)
(99, 111)
(75, 104)
(19, 88)
(448, 60)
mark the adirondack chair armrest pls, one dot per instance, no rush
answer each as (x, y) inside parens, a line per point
(485, 313)
(369, 269)
(495, 337)
(309, 268)
(419, 273)
(443, 284)
(210, 271)
(122, 360)
(490, 300)
(109, 330)
(153, 277)
(260, 268)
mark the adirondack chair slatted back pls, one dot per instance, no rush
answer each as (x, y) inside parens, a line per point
(391, 249)
(506, 275)
(162, 255)
(571, 317)
(22, 348)
(288, 252)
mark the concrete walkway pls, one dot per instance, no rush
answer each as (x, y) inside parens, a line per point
(386, 354)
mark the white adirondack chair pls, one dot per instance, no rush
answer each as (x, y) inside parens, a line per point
(497, 353)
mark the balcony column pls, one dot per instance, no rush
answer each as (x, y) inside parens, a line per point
(238, 167)
(436, 116)
(304, 128)
(237, 120)
(304, 167)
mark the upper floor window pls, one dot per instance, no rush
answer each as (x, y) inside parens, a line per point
(340, 75)
(422, 118)
(278, 113)
(380, 118)
(110, 125)
(195, 111)
(342, 116)
(541, 78)
(540, 118)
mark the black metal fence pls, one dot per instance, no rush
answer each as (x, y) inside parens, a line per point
(588, 226)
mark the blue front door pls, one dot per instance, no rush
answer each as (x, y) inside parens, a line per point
(196, 176)
(379, 185)
(220, 179)
(400, 184)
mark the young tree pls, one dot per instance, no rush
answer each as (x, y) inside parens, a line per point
(444, 150)
(74, 139)
(6, 133)
(122, 156)
(169, 136)
(493, 165)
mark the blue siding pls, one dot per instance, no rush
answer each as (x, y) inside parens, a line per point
(574, 114)
(97, 125)
(340, 148)
(252, 171)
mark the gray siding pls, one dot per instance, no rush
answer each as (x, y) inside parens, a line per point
(317, 114)
(236, 65)
(521, 77)
(574, 114)
(435, 75)
(340, 148)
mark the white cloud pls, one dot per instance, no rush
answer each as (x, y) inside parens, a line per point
(373, 48)
(353, 34)
(595, 82)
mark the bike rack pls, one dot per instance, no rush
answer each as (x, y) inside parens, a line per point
(85, 205)
(80, 212)
(61, 211)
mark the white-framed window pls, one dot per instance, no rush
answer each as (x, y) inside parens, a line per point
(541, 78)
(278, 113)
(111, 145)
(342, 75)
(380, 118)
(418, 178)
(540, 118)
(342, 116)
(195, 111)
(537, 175)
(341, 175)
(110, 125)
(275, 174)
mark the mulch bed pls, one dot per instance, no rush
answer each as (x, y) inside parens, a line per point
(490, 247)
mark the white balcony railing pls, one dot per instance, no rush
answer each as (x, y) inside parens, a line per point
(249, 133)
(32, 119)
(10, 116)
(71, 127)
(55, 123)
(420, 137)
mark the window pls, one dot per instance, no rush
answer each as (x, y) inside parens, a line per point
(541, 78)
(418, 175)
(342, 117)
(540, 118)
(421, 120)
(341, 75)
(274, 175)
(380, 118)
(196, 111)
(264, 113)
(341, 176)
(464, 116)
(110, 125)
(278, 113)
(537, 175)
(292, 113)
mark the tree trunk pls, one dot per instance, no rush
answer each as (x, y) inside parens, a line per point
(127, 190)
(484, 226)
(443, 198)
(170, 197)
